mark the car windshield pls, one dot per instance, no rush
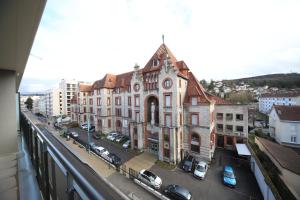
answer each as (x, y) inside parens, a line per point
(150, 174)
(229, 175)
(200, 168)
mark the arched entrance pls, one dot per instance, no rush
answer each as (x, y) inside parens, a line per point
(152, 123)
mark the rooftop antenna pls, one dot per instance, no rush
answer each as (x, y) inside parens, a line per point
(163, 38)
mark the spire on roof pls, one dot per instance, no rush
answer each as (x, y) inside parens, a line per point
(163, 38)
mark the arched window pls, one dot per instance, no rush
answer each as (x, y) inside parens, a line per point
(195, 143)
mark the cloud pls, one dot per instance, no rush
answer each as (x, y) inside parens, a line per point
(217, 39)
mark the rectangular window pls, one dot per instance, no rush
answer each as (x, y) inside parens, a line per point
(179, 83)
(137, 116)
(84, 109)
(294, 138)
(180, 99)
(219, 127)
(167, 100)
(167, 120)
(129, 113)
(229, 128)
(84, 101)
(239, 128)
(129, 88)
(166, 153)
(180, 119)
(129, 101)
(108, 112)
(91, 109)
(91, 101)
(108, 101)
(137, 100)
(239, 117)
(194, 101)
(118, 112)
(118, 101)
(229, 116)
(195, 119)
(99, 111)
(219, 116)
(109, 123)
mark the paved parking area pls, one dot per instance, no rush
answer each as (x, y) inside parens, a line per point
(212, 187)
(124, 154)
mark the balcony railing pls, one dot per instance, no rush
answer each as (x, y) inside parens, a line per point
(49, 161)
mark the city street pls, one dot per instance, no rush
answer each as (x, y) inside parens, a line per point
(124, 154)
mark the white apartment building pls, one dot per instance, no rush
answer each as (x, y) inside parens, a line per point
(284, 125)
(53, 101)
(67, 88)
(162, 107)
(266, 101)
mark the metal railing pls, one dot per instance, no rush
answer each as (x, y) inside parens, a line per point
(45, 155)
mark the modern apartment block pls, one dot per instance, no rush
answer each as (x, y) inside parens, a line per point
(266, 101)
(53, 101)
(231, 124)
(67, 88)
(162, 107)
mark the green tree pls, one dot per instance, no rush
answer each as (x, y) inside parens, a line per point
(29, 103)
(203, 82)
(211, 85)
(243, 97)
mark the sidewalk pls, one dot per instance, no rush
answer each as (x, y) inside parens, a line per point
(125, 185)
(142, 161)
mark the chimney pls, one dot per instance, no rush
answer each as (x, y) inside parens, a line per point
(136, 67)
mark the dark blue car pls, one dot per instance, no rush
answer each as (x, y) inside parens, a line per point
(228, 176)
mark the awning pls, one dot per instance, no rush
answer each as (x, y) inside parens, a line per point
(242, 150)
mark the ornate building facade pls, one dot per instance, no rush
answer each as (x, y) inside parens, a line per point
(162, 107)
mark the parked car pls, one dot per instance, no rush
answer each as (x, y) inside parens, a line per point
(114, 159)
(200, 170)
(97, 136)
(83, 126)
(92, 129)
(228, 176)
(120, 137)
(74, 135)
(111, 136)
(177, 192)
(93, 146)
(126, 145)
(150, 179)
(100, 150)
(188, 163)
(105, 155)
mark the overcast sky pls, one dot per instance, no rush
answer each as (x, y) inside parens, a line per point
(85, 39)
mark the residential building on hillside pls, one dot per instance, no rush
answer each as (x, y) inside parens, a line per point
(266, 101)
(162, 107)
(284, 125)
(67, 88)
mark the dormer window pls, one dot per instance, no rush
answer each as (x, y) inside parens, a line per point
(155, 62)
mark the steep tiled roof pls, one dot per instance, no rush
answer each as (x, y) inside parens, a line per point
(123, 79)
(286, 157)
(85, 87)
(290, 113)
(160, 55)
(282, 94)
(195, 89)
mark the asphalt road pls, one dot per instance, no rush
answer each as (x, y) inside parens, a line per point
(124, 154)
(86, 171)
